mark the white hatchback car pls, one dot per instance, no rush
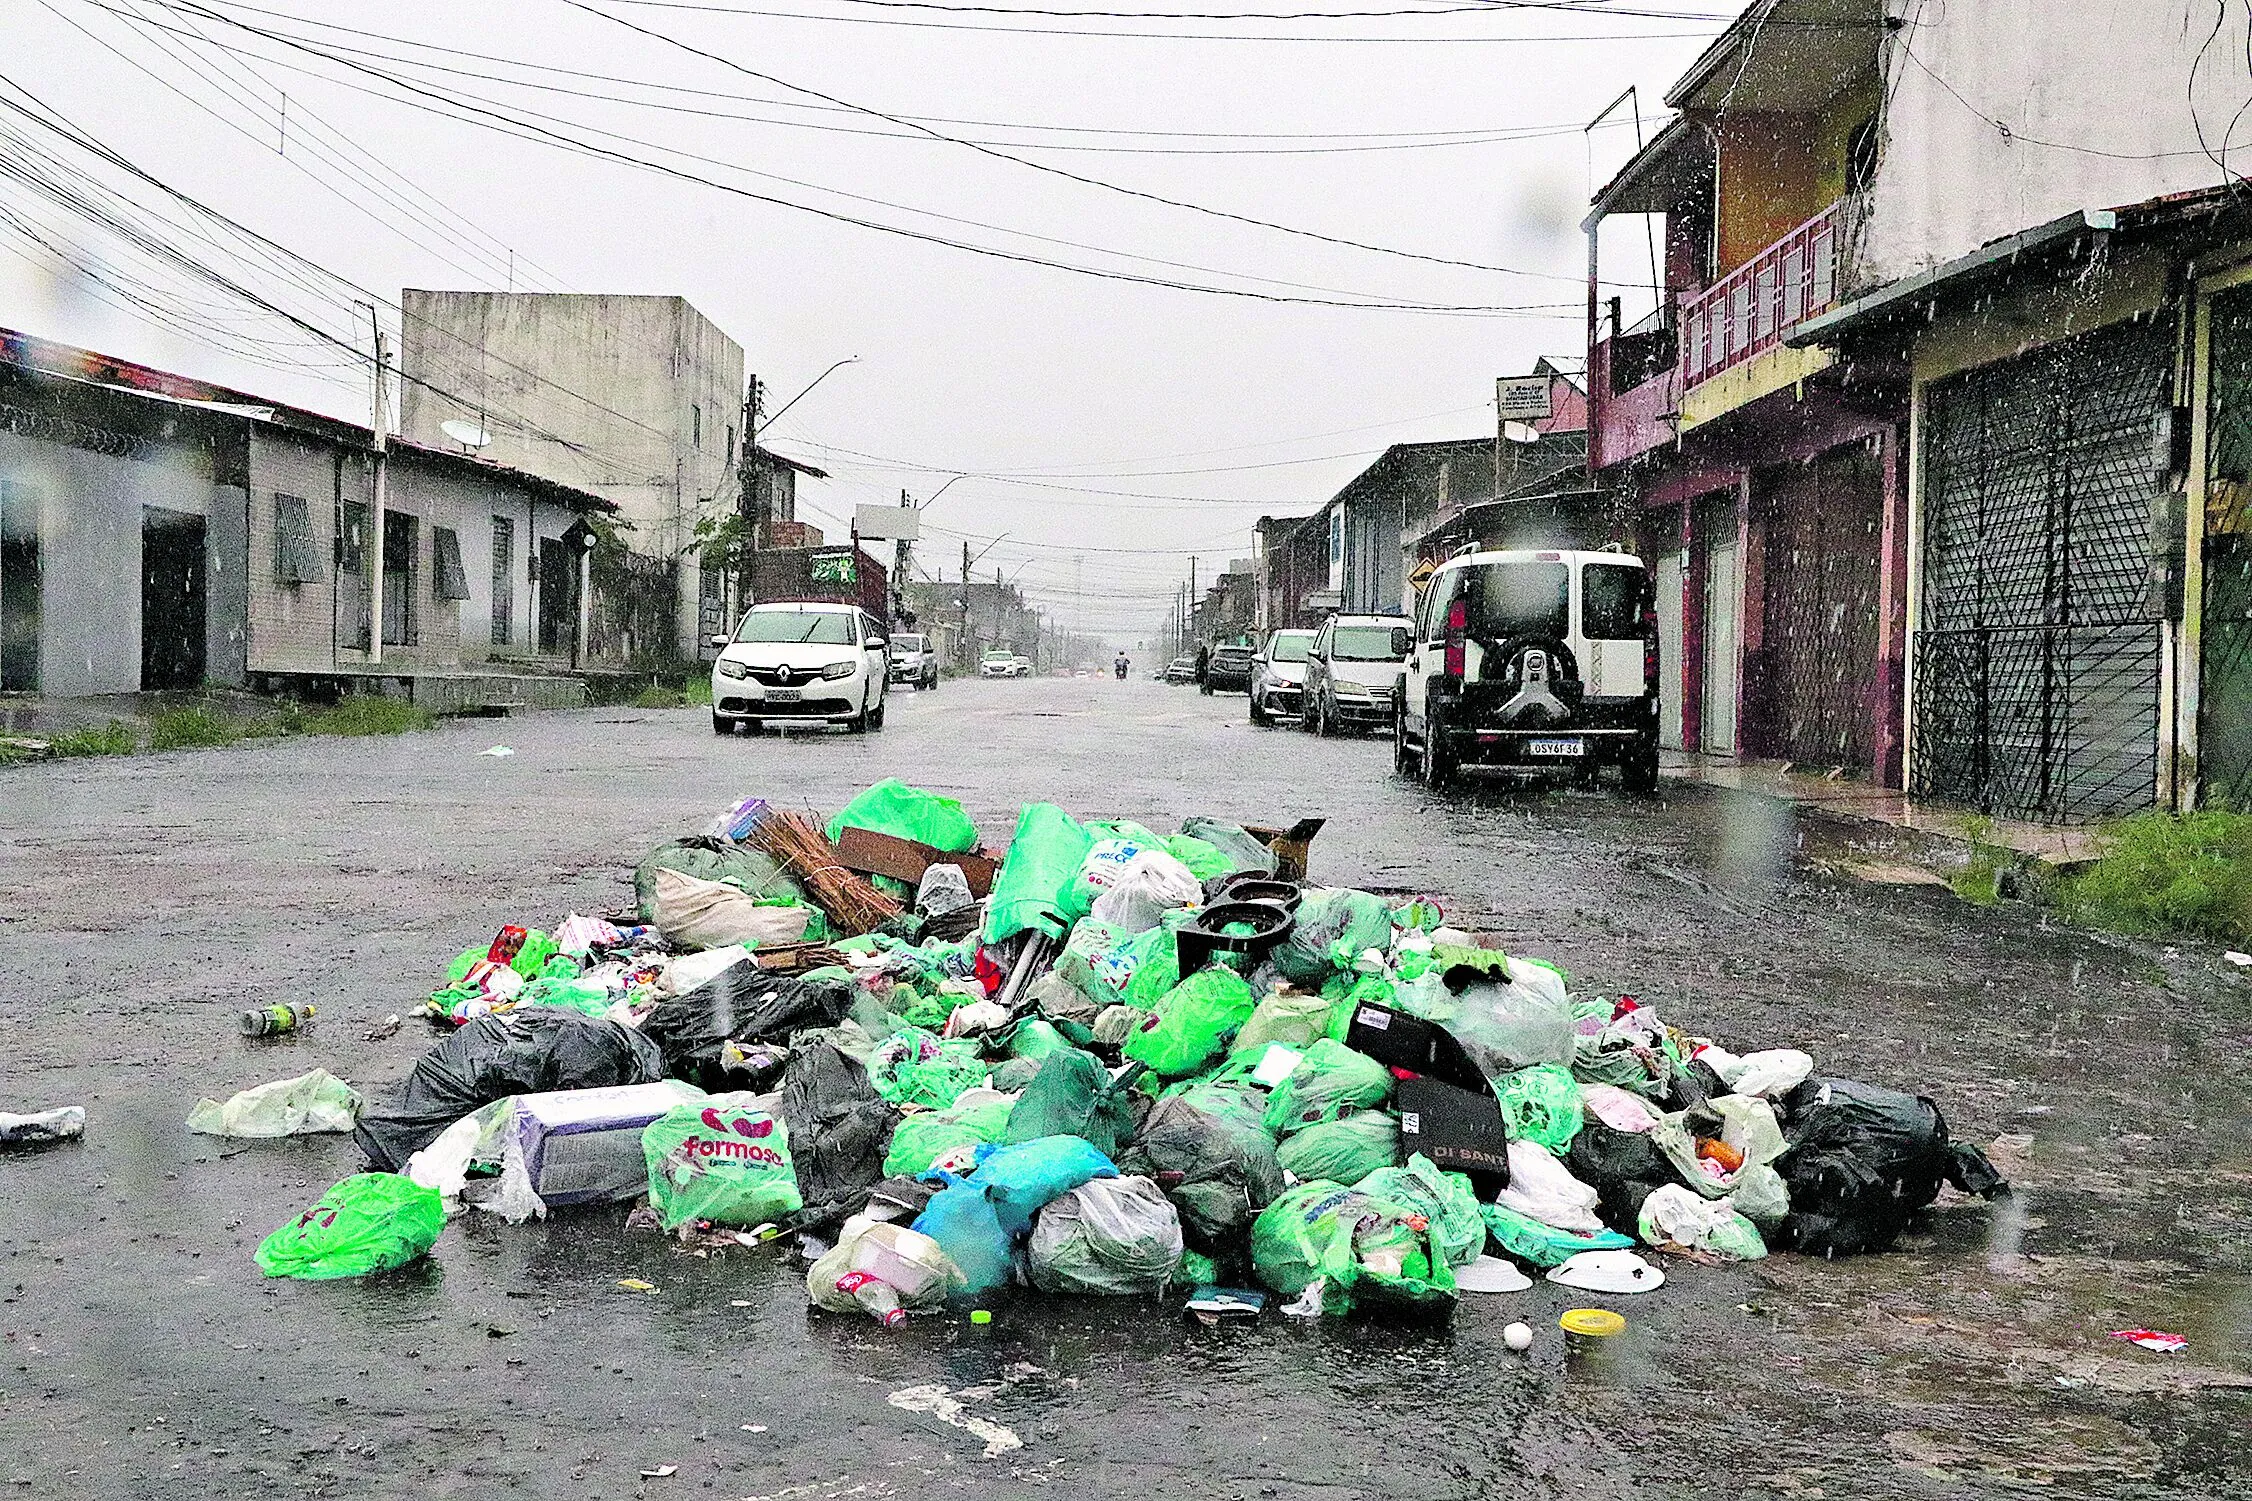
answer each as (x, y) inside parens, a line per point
(818, 663)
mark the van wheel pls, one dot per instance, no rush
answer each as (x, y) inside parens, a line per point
(1324, 726)
(1258, 717)
(1638, 773)
(876, 715)
(1436, 761)
(1404, 761)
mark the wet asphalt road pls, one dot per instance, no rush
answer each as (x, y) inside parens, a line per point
(143, 902)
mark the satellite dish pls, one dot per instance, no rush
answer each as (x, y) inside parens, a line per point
(467, 434)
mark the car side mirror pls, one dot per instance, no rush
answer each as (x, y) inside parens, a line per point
(877, 643)
(720, 641)
(1401, 641)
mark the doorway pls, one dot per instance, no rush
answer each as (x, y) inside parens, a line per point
(172, 599)
(401, 539)
(555, 595)
(20, 589)
(1672, 681)
(1724, 657)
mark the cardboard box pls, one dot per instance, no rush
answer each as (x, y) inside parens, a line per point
(1460, 1130)
(876, 854)
(1398, 1040)
(582, 1146)
(1293, 847)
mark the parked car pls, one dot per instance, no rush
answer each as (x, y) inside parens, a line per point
(810, 662)
(1181, 669)
(1228, 669)
(912, 660)
(1000, 662)
(1278, 677)
(1532, 660)
(1353, 673)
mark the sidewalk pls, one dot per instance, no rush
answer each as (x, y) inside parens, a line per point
(1845, 798)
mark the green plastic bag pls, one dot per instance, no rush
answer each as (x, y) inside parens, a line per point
(1541, 1245)
(1542, 1104)
(1074, 1095)
(1458, 1229)
(1362, 1245)
(1112, 968)
(892, 807)
(1041, 860)
(1344, 1150)
(722, 1160)
(1332, 921)
(1288, 1017)
(708, 859)
(1034, 1037)
(1203, 860)
(911, 1067)
(1192, 1024)
(537, 950)
(370, 1222)
(584, 997)
(1244, 852)
(1330, 1081)
(921, 1139)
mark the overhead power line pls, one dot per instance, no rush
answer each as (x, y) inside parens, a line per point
(530, 130)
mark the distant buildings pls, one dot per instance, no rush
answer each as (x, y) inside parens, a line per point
(162, 532)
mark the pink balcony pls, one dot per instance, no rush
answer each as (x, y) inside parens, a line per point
(1748, 311)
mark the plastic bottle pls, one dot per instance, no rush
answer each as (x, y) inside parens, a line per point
(268, 1021)
(876, 1295)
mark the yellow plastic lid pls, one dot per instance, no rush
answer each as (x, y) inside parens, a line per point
(1599, 1322)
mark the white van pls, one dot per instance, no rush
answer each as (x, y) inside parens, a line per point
(1532, 660)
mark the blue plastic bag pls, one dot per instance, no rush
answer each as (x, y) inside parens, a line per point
(1023, 1179)
(962, 1220)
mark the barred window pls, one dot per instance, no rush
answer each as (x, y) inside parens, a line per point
(296, 559)
(447, 581)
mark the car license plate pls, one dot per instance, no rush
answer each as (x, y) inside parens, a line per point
(785, 695)
(1572, 747)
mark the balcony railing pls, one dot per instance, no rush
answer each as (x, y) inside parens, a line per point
(1749, 310)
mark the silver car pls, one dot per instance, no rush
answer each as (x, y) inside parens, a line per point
(1353, 673)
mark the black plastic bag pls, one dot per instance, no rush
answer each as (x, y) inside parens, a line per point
(1863, 1161)
(840, 1129)
(742, 1003)
(525, 1051)
(1219, 1170)
(1622, 1167)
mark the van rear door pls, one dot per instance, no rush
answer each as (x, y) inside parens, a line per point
(1613, 594)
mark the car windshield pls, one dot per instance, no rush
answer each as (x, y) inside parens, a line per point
(1233, 653)
(906, 644)
(1518, 597)
(1000, 654)
(817, 628)
(1290, 646)
(1369, 643)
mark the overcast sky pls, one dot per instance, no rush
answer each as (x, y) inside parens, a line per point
(1207, 410)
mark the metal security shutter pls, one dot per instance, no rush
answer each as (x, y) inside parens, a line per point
(1823, 526)
(2037, 660)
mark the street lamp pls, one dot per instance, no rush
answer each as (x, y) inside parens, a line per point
(850, 359)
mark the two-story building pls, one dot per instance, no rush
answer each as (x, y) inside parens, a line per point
(1931, 424)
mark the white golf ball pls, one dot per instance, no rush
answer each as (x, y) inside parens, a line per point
(1518, 1336)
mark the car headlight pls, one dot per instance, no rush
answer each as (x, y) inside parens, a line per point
(839, 669)
(729, 669)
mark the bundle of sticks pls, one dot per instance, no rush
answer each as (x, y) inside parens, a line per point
(854, 906)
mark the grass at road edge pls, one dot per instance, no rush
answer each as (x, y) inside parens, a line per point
(2169, 875)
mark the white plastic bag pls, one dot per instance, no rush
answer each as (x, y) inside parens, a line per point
(943, 889)
(318, 1101)
(1144, 889)
(1542, 1188)
(1770, 1074)
(1110, 1235)
(1678, 1218)
(709, 915)
(1617, 1108)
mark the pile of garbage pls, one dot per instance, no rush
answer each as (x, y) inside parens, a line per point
(1105, 1061)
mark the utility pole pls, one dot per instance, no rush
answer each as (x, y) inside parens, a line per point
(380, 427)
(969, 656)
(748, 497)
(903, 559)
(1192, 600)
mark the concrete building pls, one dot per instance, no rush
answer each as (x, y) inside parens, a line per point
(636, 399)
(1931, 279)
(161, 532)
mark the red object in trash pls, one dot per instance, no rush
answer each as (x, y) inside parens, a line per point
(2153, 1339)
(987, 973)
(507, 944)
